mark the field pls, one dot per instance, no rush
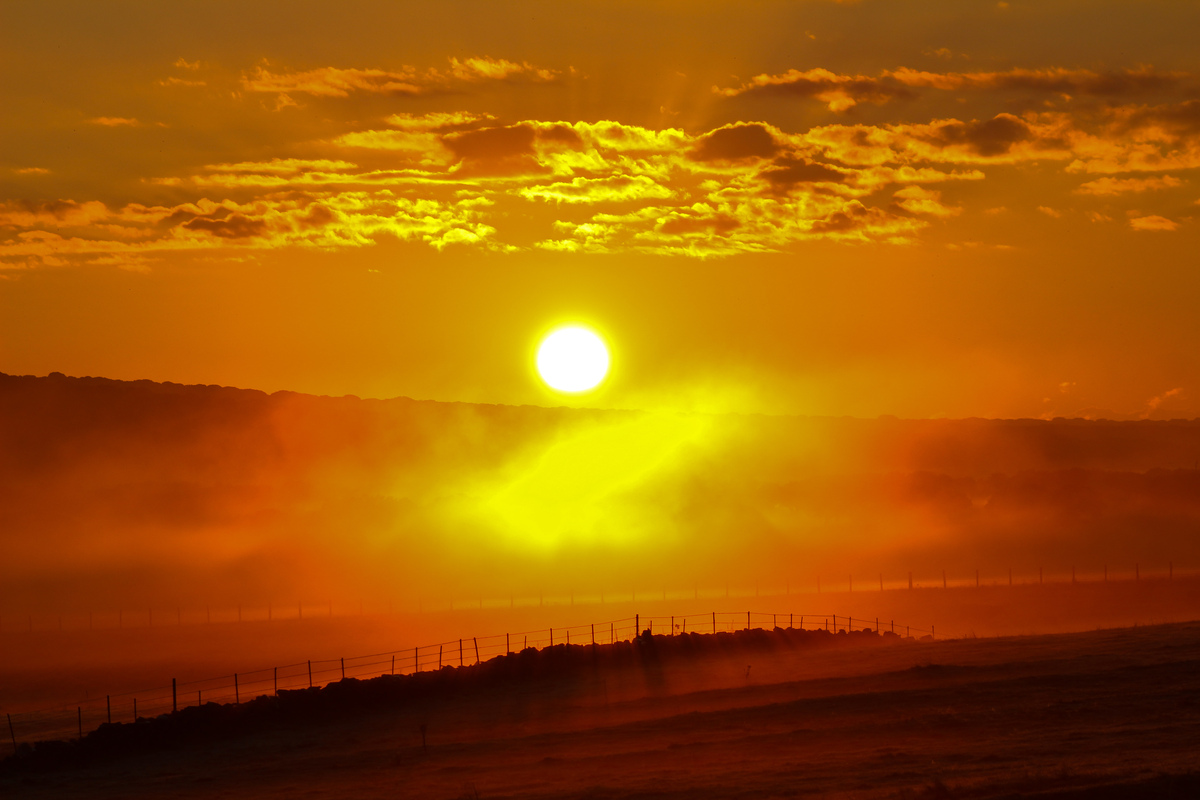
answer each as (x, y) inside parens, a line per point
(1109, 713)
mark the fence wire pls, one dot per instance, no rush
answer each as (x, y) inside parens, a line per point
(72, 720)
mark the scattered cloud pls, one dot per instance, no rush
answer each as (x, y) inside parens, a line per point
(1153, 222)
(918, 200)
(114, 122)
(1104, 187)
(842, 92)
(405, 80)
(174, 81)
(32, 171)
(183, 63)
(451, 177)
(1153, 403)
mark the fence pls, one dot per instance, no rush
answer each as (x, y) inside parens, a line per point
(75, 719)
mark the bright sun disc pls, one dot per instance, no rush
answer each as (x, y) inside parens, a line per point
(572, 359)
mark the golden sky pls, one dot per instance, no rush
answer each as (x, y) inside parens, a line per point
(862, 208)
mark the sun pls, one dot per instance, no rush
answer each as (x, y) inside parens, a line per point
(572, 359)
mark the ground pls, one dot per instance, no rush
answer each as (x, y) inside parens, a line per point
(1113, 713)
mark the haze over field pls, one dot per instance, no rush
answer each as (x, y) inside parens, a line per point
(129, 495)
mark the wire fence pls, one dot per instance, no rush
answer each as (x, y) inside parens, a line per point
(73, 720)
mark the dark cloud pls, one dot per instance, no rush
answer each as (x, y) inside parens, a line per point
(561, 134)
(855, 217)
(235, 226)
(991, 137)
(736, 142)
(492, 144)
(1178, 119)
(789, 171)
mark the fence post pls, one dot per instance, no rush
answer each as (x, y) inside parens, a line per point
(508, 644)
(476, 641)
(747, 620)
(11, 732)
(135, 709)
(877, 625)
(277, 681)
(343, 669)
(237, 695)
(612, 633)
(552, 637)
(417, 659)
(637, 625)
(791, 619)
(439, 656)
(108, 707)
(174, 697)
(932, 631)
(714, 621)
(393, 664)
(593, 634)
(79, 711)
(310, 674)
(672, 624)
(460, 656)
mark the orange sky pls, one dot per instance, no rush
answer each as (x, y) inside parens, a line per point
(863, 208)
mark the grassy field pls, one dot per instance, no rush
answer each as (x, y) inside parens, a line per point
(1110, 713)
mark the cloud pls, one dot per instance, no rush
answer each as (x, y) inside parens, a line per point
(183, 63)
(1104, 187)
(1153, 222)
(438, 121)
(788, 172)
(1154, 402)
(839, 92)
(174, 81)
(32, 171)
(1056, 80)
(406, 80)
(843, 92)
(333, 82)
(918, 200)
(619, 188)
(498, 69)
(459, 177)
(114, 122)
(1139, 138)
(52, 233)
(736, 142)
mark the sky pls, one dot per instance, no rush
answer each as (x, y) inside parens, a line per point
(920, 209)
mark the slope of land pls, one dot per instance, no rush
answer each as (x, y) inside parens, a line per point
(754, 714)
